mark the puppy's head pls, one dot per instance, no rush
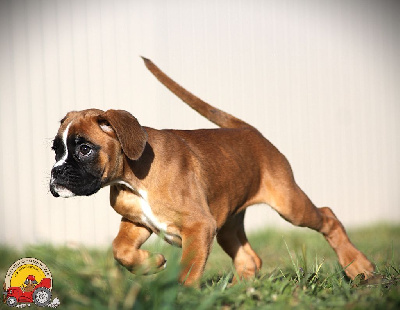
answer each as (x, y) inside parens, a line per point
(89, 149)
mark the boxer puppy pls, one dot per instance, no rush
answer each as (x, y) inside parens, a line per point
(187, 185)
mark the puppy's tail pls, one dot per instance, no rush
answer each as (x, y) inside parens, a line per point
(218, 117)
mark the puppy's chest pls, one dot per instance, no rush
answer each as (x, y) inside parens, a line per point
(138, 209)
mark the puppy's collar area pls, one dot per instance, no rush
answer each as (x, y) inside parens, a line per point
(126, 184)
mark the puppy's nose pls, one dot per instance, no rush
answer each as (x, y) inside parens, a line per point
(57, 171)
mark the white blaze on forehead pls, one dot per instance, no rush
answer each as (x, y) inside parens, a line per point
(64, 140)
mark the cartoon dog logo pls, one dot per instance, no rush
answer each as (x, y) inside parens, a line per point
(30, 284)
(28, 281)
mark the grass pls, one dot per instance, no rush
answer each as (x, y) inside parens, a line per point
(300, 271)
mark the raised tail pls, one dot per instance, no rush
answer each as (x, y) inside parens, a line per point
(218, 117)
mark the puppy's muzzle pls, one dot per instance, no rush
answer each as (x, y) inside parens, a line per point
(58, 188)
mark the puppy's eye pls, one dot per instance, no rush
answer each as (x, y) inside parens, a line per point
(85, 149)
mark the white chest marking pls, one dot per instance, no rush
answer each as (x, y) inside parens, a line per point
(65, 155)
(148, 216)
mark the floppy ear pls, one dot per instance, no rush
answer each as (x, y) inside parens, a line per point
(131, 135)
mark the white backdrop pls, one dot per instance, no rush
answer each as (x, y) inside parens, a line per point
(320, 79)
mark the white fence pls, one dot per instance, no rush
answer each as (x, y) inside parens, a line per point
(319, 79)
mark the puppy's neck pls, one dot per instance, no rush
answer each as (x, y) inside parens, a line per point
(140, 168)
(135, 171)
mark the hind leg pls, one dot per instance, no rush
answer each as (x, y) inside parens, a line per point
(293, 205)
(232, 238)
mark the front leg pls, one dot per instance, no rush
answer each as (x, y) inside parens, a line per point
(196, 244)
(126, 249)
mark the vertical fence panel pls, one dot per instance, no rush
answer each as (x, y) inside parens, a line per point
(319, 79)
